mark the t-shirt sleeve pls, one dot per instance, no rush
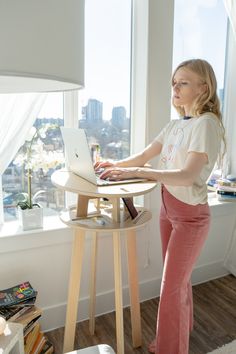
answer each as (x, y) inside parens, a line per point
(206, 138)
(161, 136)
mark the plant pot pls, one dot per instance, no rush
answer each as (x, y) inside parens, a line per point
(30, 219)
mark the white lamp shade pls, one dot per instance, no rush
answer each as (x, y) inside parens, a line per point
(41, 45)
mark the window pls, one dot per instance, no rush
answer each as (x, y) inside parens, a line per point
(104, 104)
(200, 31)
(230, 104)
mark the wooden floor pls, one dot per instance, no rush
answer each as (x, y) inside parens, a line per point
(214, 326)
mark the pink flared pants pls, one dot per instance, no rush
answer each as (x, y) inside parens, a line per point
(184, 229)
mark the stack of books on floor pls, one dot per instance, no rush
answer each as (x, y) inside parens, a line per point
(17, 304)
(226, 190)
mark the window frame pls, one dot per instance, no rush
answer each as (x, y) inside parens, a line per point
(150, 108)
(148, 116)
(70, 117)
(229, 107)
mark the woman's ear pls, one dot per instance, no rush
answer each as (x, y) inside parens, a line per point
(203, 88)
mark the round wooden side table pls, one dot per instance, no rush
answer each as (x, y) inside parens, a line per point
(99, 208)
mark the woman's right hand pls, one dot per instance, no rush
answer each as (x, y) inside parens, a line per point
(103, 164)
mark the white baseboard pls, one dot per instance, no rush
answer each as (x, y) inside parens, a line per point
(54, 316)
(207, 272)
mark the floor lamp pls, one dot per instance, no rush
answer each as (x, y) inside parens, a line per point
(41, 45)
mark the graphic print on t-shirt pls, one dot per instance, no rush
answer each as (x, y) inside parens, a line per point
(171, 147)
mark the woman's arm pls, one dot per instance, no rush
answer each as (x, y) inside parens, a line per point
(139, 159)
(181, 177)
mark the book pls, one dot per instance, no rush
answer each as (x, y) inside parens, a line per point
(93, 221)
(13, 312)
(226, 182)
(29, 318)
(39, 343)
(47, 348)
(228, 198)
(226, 188)
(17, 294)
(29, 328)
(30, 325)
(224, 192)
(31, 337)
(29, 302)
(128, 202)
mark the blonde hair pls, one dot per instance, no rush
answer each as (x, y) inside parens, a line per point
(207, 101)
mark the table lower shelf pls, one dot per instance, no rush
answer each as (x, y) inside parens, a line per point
(102, 221)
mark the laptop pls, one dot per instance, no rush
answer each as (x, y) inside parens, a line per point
(78, 158)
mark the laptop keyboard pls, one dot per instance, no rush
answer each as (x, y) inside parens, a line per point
(101, 182)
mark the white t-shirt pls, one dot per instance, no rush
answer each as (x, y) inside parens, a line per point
(201, 134)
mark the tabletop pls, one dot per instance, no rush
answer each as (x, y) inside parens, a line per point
(69, 181)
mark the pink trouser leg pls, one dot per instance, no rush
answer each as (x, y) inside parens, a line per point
(166, 229)
(184, 229)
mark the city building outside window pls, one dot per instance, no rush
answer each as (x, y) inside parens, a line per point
(104, 103)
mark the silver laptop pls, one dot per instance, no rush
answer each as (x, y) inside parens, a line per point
(78, 157)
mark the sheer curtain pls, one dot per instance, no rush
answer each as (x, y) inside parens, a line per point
(230, 259)
(17, 115)
(230, 6)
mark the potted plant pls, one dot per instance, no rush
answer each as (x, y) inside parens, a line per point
(35, 158)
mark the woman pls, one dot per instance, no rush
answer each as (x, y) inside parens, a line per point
(188, 149)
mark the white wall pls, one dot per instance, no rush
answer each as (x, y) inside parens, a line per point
(43, 258)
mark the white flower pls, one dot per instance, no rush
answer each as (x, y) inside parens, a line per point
(36, 157)
(20, 160)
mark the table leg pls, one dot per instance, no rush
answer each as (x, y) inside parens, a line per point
(82, 205)
(116, 209)
(133, 288)
(74, 288)
(118, 293)
(93, 284)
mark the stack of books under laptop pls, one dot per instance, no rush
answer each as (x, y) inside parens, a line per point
(17, 304)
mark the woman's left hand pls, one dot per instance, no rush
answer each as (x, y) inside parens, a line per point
(119, 173)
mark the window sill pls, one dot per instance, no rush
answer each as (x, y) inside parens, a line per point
(220, 207)
(12, 228)
(53, 222)
(14, 239)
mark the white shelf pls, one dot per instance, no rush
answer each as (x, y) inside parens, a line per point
(11, 340)
(102, 221)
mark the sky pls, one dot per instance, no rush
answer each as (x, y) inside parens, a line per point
(107, 57)
(199, 31)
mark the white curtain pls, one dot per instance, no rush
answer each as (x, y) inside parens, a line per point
(230, 6)
(230, 258)
(17, 115)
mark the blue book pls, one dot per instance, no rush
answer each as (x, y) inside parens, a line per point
(22, 293)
